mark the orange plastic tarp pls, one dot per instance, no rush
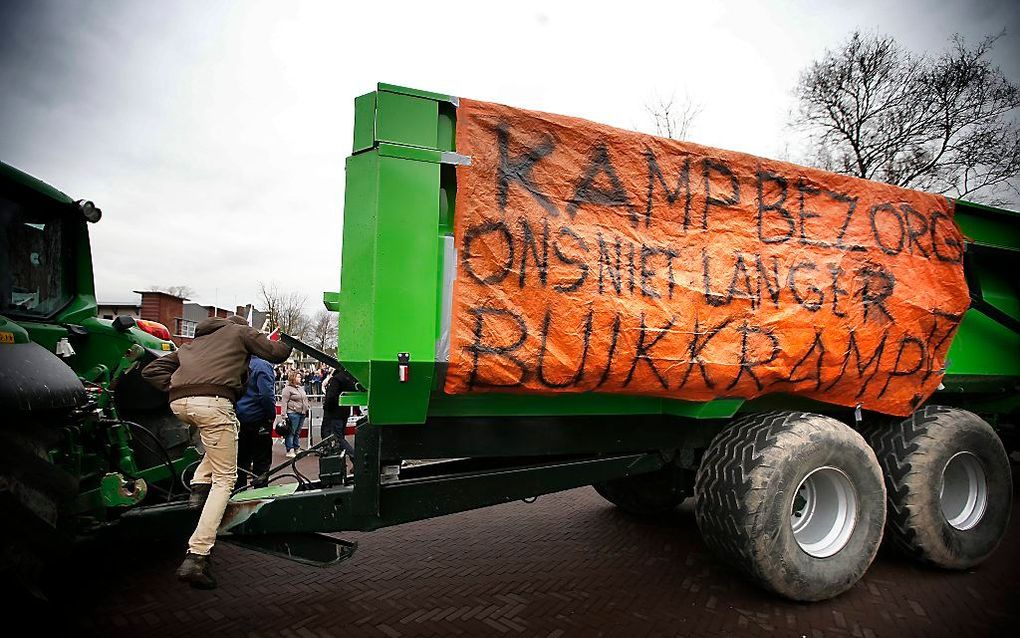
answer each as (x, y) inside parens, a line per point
(592, 259)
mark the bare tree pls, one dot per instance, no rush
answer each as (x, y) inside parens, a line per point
(184, 292)
(286, 310)
(945, 123)
(324, 330)
(672, 118)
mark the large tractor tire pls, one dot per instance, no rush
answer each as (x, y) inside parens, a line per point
(650, 494)
(33, 494)
(949, 485)
(793, 499)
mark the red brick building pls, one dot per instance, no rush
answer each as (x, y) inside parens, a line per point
(176, 313)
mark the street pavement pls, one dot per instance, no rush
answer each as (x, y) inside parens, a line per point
(569, 564)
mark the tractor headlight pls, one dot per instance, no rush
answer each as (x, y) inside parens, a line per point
(89, 210)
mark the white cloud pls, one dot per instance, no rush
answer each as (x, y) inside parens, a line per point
(214, 135)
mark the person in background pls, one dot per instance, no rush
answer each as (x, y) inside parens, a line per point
(295, 404)
(324, 372)
(334, 415)
(256, 411)
(204, 378)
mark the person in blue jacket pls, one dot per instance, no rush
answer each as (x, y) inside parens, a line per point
(256, 411)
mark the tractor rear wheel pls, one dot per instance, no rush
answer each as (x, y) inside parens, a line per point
(33, 494)
(793, 499)
(949, 485)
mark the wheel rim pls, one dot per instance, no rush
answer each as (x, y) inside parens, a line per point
(824, 512)
(964, 492)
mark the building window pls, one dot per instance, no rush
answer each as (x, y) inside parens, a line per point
(186, 328)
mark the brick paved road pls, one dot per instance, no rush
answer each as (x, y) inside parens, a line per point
(568, 565)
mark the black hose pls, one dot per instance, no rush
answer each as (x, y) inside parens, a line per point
(301, 477)
(162, 451)
(185, 471)
(271, 474)
(282, 476)
(167, 461)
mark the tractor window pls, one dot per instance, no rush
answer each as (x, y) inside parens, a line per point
(34, 245)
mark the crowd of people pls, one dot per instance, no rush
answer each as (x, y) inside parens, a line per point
(312, 380)
(296, 389)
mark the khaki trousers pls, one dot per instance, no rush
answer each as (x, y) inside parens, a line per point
(217, 425)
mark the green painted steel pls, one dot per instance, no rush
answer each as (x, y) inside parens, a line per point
(96, 447)
(364, 122)
(334, 510)
(399, 213)
(12, 175)
(11, 332)
(989, 226)
(332, 301)
(985, 351)
(428, 95)
(405, 119)
(116, 491)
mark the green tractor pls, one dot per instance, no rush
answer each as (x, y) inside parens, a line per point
(83, 436)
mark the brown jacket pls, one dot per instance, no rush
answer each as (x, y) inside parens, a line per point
(216, 362)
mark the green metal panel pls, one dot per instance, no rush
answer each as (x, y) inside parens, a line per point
(104, 345)
(332, 301)
(496, 404)
(984, 347)
(989, 226)
(400, 207)
(357, 279)
(405, 288)
(403, 119)
(387, 299)
(354, 398)
(410, 152)
(12, 332)
(428, 95)
(364, 122)
(45, 334)
(9, 173)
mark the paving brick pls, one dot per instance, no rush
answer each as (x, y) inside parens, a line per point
(568, 565)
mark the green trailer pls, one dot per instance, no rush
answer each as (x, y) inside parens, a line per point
(796, 492)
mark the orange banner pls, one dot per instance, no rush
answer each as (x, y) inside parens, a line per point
(592, 259)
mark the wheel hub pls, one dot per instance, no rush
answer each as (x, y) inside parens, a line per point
(824, 512)
(964, 492)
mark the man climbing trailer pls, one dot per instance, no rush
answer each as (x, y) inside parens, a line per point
(818, 360)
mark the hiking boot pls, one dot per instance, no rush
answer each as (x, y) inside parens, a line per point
(196, 570)
(199, 493)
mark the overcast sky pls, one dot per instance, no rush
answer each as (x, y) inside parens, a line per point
(213, 135)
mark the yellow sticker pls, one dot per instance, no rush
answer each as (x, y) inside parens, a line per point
(165, 346)
(6, 337)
